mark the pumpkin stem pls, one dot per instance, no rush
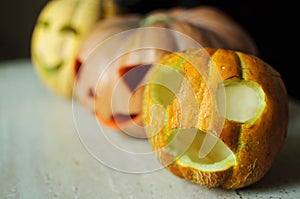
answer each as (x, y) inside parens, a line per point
(156, 18)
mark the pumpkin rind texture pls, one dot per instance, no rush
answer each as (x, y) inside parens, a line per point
(138, 42)
(61, 27)
(252, 144)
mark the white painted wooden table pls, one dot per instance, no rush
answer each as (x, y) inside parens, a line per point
(42, 156)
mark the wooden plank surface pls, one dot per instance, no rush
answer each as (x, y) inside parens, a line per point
(42, 154)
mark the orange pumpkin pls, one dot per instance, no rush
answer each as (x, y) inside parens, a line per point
(113, 67)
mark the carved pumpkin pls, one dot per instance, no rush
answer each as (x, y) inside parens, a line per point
(216, 117)
(114, 68)
(60, 28)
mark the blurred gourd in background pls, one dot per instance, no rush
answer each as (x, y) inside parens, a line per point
(67, 32)
(59, 30)
(114, 92)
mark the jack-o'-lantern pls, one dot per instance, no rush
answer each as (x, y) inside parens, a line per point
(60, 28)
(115, 66)
(216, 117)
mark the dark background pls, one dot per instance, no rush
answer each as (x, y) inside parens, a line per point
(271, 24)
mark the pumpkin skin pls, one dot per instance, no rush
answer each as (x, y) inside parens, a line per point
(105, 99)
(253, 144)
(61, 27)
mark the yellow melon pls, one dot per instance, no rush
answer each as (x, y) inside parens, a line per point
(216, 117)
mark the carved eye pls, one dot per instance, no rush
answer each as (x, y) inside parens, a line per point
(45, 24)
(68, 29)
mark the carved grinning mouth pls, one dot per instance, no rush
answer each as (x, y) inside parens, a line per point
(54, 68)
(119, 118)
(46, 67)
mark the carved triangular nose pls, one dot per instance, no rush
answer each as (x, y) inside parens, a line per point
(133, 75)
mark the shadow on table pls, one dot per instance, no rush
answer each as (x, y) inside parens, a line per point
(285, 170)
